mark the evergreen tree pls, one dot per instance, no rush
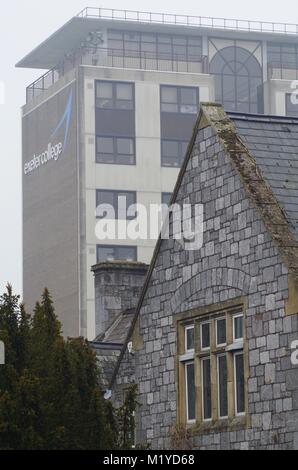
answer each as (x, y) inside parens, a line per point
(50, 395)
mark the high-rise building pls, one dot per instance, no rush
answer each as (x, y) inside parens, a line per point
(112, 117)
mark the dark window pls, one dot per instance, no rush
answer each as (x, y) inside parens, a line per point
(238, 327)
(165, 198)
(206, 389)
(221, 336)
(120, 201)
(283, 61)
(155, 46)
(205, 335)
(114, 95)
(239, 383)
(120, 150)
(190, 338)
(222, 386)
(291, 106)
(118, 253)
(173, 152)
(238, 80)
(183, 100)
(190, 392)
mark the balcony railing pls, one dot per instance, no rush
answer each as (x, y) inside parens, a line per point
(102, 57)
(186, 20)
(285, 71)
(41, 84)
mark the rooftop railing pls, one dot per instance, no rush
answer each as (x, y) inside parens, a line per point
(118, 58)
(186, 20)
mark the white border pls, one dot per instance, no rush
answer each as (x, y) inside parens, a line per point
(186, 329)
(238, 315)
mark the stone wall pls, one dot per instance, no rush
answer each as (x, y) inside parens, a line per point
(238, 259)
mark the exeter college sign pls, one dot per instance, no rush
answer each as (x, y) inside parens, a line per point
(54, 150)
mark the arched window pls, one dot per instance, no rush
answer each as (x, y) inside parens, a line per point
(238, 80)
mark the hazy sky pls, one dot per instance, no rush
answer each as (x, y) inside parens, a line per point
(23, 25)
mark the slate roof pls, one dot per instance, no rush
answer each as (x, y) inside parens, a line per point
(264, 152)
(273, 142)
(109, 346)
(118, 331)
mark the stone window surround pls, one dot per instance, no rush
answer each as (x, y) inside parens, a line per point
(196, 316)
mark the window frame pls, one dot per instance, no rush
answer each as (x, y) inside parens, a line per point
(166, 195)
(188, 328)
(236, 354)
(235, 316)
(116, 193)
(133, 247)
(179, 90)
(157, 40)
(288, 112)
(218, 386)
(207, 349)
(115, 153)
(186, 365)
(220, 345)
(200, 317)
(180, 144)
(204, 359)
(114, 99)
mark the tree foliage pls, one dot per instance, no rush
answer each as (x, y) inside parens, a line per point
(50, 395)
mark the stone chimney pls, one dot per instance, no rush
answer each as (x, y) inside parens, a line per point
(118, 285)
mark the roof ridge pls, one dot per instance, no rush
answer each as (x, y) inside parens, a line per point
(255, 185)
(273, 216)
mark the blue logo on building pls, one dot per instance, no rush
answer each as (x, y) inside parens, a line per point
(53, 151)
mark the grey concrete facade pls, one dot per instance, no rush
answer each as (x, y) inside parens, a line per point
(72, 55)
(238, 260)
(50, 205)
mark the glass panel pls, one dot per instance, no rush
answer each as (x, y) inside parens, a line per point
(239, 383)
(238, 328)
(166, 197)
(189, 102)
(105, 253)
(206, 388)
(222, 386)
(191, 392)
(127, 253)
(104, 94)
(125, 201)
(169, 95)
(291, 108)
(125, 146)
(170, 153)
(190, 339)
(205, 335)
(124, 91)
(104, 90)
(105, 198)
(105, 145)
(221, 331)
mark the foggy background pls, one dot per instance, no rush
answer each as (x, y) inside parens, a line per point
(23, 25)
